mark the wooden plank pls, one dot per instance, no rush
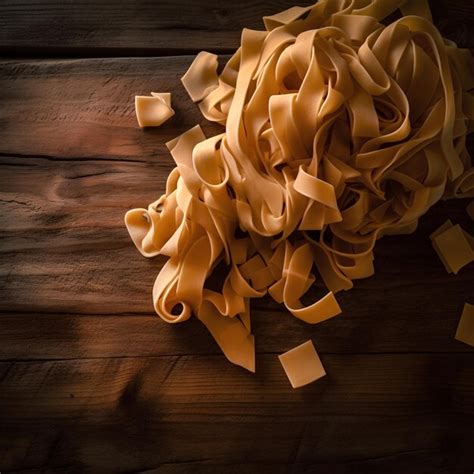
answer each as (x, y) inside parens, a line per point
(95, 413)
(64, 248)
(139, 25)
(27, 336)
(140, 395)
(84, 109)
(92, 28)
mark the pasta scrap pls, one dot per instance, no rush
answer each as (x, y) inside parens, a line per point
(153, 111)
(302, 364)
(338, 130)
(453, 245)
(465, 330)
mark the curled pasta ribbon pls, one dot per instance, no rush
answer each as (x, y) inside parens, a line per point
(338, 130)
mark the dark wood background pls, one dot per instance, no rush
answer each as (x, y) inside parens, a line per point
(91, 380)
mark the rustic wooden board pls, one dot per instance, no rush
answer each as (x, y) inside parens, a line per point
(124, 28)
(73, 229)
(131, 414)
(84, 109)
(79, 214)
(92, 381)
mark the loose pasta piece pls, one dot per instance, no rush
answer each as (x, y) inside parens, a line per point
(465, 330)
(201, 77)
(302, 364)
(453, 246)
(153, 111)
(447, 225)
(442, 228)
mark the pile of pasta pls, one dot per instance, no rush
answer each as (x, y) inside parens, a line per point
(339, 129)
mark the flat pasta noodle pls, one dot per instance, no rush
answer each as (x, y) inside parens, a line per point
(465, 329)
(338, 130)
(154, 110)
(302, 364)
(454, 246)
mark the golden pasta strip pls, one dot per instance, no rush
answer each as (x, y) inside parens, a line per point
(447, 225)
(453, 246)
(302, 364)
(201, 77)
(465, 330)
(339, 130)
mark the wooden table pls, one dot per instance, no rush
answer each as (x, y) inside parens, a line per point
(91, 380)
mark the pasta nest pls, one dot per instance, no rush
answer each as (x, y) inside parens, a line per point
(339, 129)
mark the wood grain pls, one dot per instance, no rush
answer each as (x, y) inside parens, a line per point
(92, 381)
(49, 336)
(101, 410)
(63, 215)
(84, 109)
(65, 219)
(125, 28)
(146, 27)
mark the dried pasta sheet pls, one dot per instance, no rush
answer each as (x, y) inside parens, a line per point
(201, 77)
(340, 126)
(154, 110)
(465, 330)
(453, 245)
(302, 364)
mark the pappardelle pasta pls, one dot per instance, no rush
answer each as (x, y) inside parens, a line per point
(339, 129)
